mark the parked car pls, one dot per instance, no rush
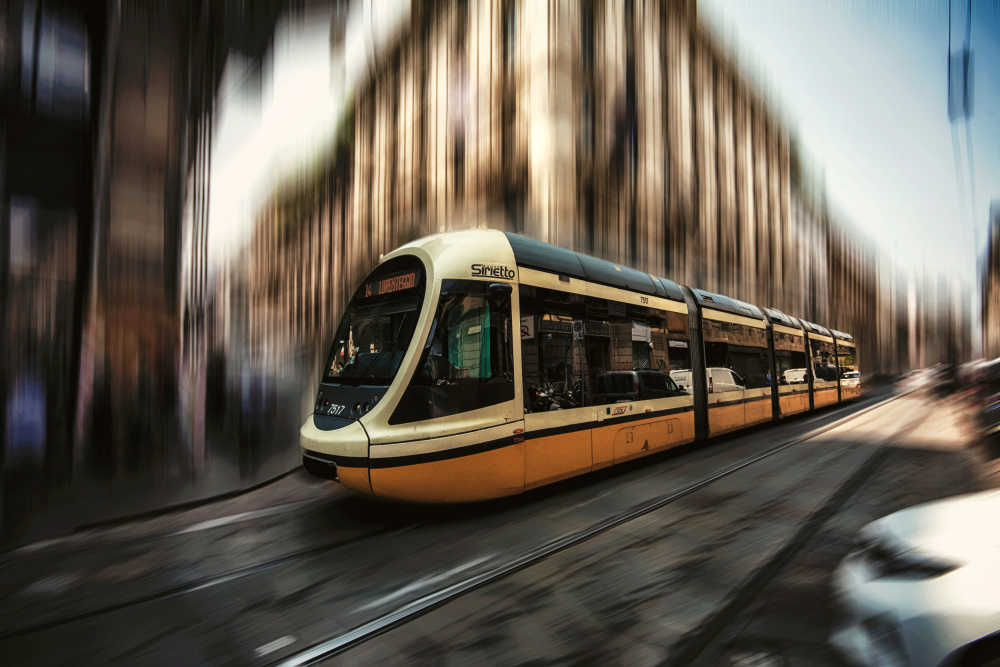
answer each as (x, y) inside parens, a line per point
(921, 586)
(622, 386)
(719, 380)
(850, 379)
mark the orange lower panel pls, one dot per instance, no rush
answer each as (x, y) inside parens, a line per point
(511, 470)
(848, 393)
(758, 412)
(492, 474)
(556, 457)
(725, 418)
(824, 397)
(611, 444)
(791, 404)
(355, 479)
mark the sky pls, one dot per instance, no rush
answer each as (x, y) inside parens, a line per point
(863, 85)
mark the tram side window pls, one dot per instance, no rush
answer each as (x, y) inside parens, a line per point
(553, 357)
(740, 348)
(630, 337)
(466, 362)
(824, 363)
(847, 360)
(790, 359)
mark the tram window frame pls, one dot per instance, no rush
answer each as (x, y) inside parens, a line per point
(820, 354)
(847, 352)
(623, 337)
(789, 354)
(438, 388)
(550, 339)
(741, 348)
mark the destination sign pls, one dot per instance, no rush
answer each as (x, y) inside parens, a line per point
(390, 284)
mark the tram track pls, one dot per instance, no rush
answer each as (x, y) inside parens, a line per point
(412, 610)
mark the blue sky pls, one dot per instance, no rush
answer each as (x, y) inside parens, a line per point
(863, 84)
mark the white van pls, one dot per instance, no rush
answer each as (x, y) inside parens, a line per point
(719, 380)
(795, 376)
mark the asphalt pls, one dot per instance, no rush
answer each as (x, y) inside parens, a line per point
(259, 577)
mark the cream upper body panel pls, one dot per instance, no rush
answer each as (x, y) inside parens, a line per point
(578, 286)
(820, 337)
(720, 316)
(780, 328)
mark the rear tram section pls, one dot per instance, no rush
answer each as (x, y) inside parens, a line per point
(478, 364)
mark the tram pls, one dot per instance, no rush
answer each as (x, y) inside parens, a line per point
(477, 364)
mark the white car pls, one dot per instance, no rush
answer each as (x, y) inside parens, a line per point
(922, 586)
(851, 379)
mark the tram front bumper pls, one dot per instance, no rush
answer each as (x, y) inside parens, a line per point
(340, 454)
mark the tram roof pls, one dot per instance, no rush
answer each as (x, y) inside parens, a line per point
(778, 317)
(816, 328)
(726, 304)
(840, 335)
(543, 256)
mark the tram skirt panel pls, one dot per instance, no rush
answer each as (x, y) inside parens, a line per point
(757, 408)
(793, 403)
(355, 479)
(617, 442)
(481, 476)
(553, 457)
(723, 418)
(823, 397)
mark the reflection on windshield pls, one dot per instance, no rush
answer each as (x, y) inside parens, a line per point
(370, 343)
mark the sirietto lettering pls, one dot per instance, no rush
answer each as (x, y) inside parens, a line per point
(493, 271)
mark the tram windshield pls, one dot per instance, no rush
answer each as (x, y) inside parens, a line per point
(377, 326)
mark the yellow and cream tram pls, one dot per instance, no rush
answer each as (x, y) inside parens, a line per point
(477, 364)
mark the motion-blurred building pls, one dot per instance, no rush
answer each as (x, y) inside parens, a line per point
(141, 368)
(104, 136)
(619, 129)
(991, 286)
